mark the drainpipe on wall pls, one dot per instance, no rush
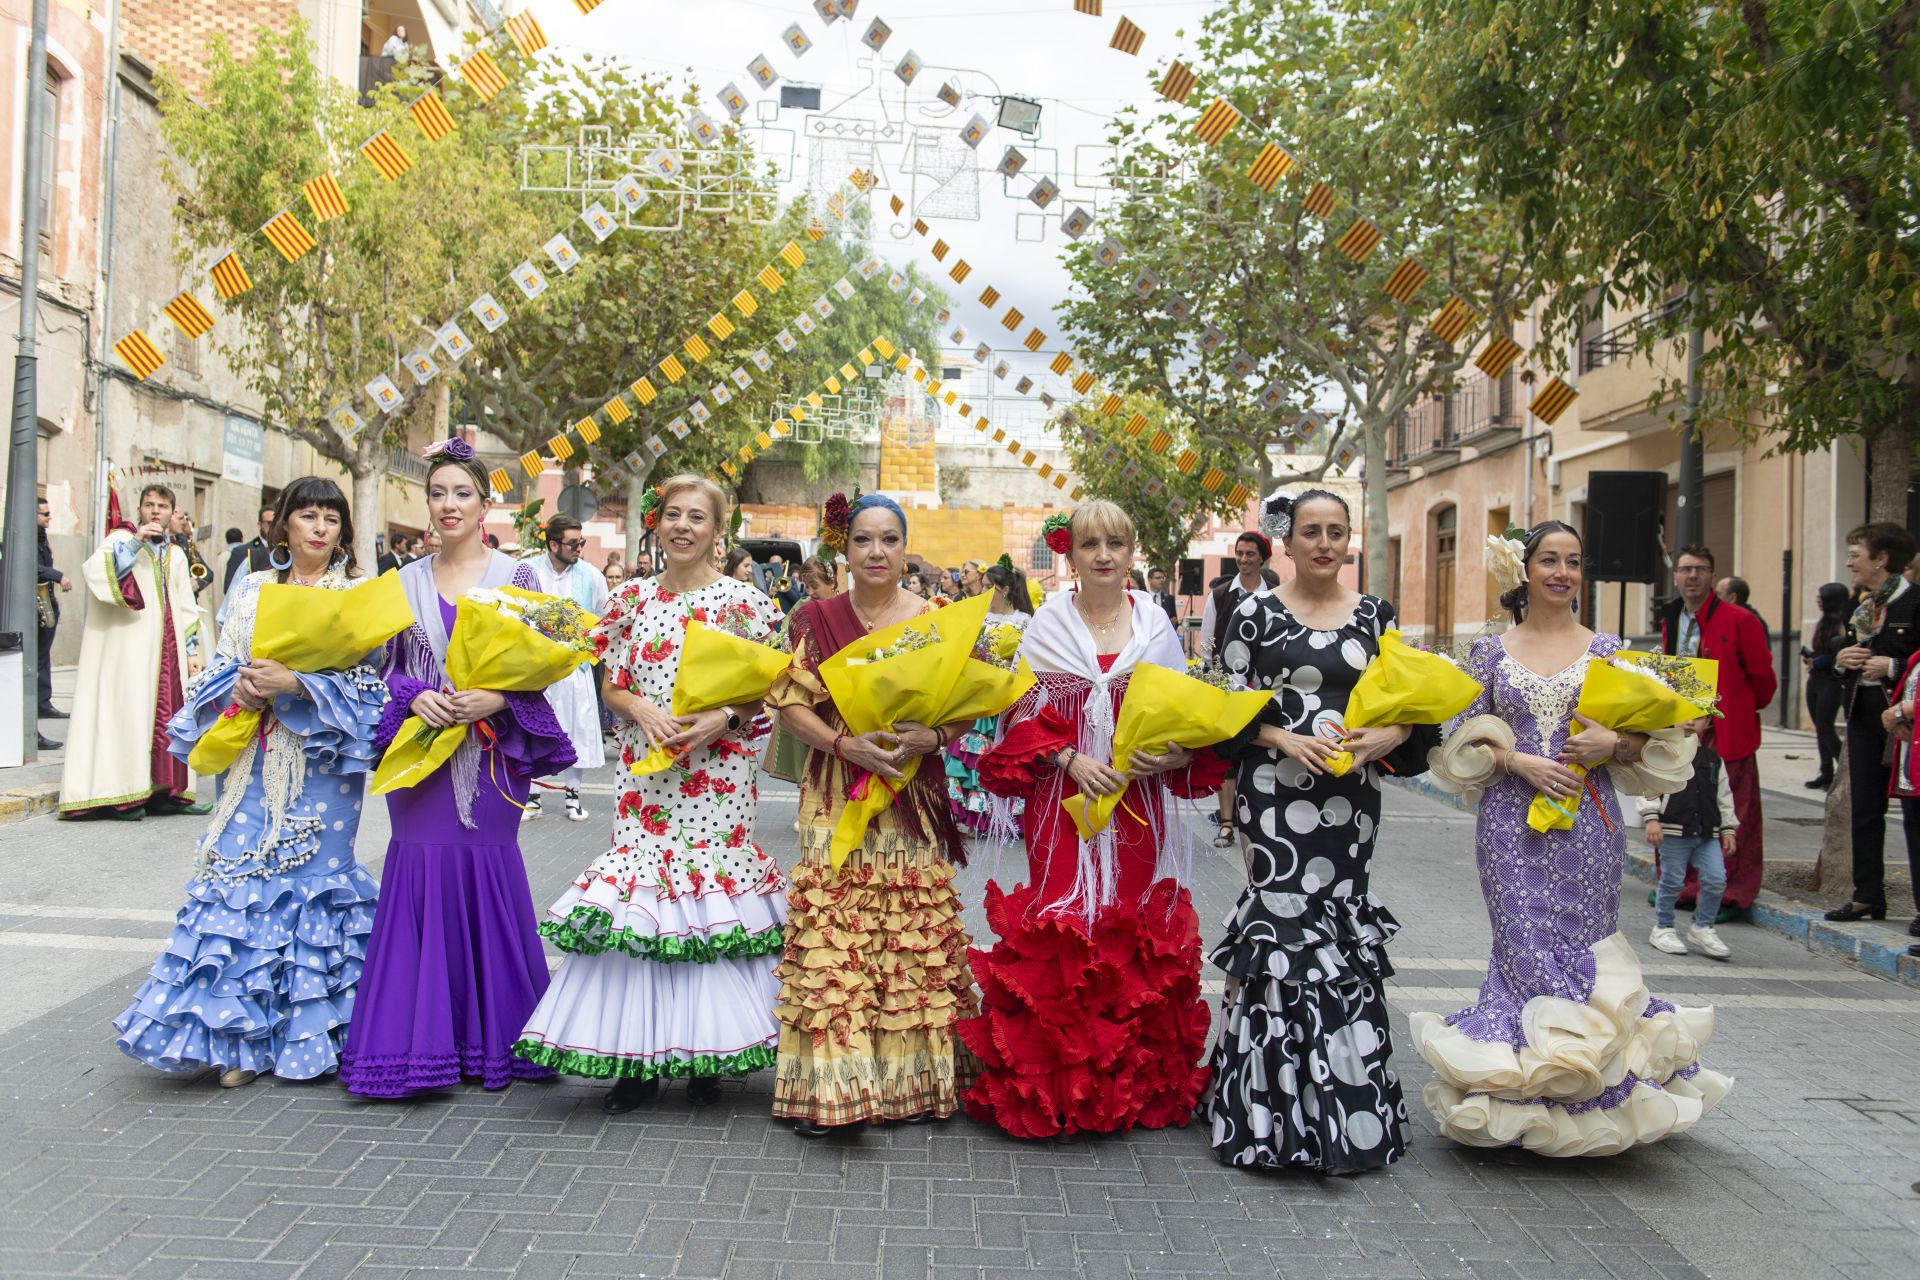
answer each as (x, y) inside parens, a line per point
(110, 205)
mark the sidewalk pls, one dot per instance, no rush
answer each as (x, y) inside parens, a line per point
(35, 788)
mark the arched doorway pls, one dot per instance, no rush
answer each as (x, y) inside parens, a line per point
(1446, 547)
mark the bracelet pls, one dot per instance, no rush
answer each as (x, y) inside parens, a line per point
(838, 738)
(1062, 765)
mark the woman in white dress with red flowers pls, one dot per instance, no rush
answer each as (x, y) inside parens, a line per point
(673, 933)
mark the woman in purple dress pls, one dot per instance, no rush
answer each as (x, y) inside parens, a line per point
(454, 966)
(1565, 1053)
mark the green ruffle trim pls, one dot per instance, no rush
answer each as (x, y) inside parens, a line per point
(574, 1063)
(588, 931)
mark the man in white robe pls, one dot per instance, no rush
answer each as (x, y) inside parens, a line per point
(139, 646)
(575, 702)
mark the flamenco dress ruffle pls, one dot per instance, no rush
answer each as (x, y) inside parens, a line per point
(1088, 1031)
(454, 966)
(1300, 1075)
(260, 970)
(1596, 1068)
(669, 968)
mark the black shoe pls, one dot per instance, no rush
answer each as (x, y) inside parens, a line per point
(52, 713)
(1855, 911)
(814, 1129)
(1820, 783)
(1914, 950)
(628, 1094)
(924, 1117)
(703, 1090)
(1913, 929)
(45, 743)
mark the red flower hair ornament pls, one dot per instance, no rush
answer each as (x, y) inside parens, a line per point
(1057, 529)
(650, 504)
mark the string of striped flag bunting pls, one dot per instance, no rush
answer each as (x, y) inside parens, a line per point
(997, 435)
(1219, 119)
(290, 237)
(1085, 382)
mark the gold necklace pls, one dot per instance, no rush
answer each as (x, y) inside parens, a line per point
(870, 625)
(1080, 606)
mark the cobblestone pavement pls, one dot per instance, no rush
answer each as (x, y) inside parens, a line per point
(110, 1169)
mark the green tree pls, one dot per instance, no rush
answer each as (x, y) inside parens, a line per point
(1265, 272)
(1168, 508)
(409, 254)
(1761, 156)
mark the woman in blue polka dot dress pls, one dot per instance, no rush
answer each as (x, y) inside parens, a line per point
(259, 972)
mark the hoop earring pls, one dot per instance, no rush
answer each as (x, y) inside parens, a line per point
(281, 557)
(338, 558)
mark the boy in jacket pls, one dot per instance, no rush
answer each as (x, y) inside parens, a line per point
(1693, 827)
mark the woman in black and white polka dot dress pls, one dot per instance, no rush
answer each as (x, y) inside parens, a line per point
(1300, 1076)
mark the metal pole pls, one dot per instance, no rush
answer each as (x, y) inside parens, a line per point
(22, 541)
(1691, 520)
(1786, 636)
(110, 214)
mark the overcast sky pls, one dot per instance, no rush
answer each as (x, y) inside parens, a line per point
(1041, 50)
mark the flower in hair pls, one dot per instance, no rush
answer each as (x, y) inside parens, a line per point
(1507, 560)
(453, 448)
(835, 518)
(650, 503)
(1276, 516)
(1057, 529)
(1004, 562)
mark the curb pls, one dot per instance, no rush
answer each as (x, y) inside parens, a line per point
(1874, 949)
(19, 803)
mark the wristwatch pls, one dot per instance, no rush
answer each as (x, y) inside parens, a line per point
(733, 720)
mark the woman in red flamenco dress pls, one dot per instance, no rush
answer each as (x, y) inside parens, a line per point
(1091, 1018)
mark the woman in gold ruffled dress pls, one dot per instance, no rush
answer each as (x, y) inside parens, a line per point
(874, 974)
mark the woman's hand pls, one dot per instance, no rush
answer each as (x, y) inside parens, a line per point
(1369, 745)
(1549, 777)
(266, 678)
(1852, 658)
(697, 731)
(1094, 778)
(473, 705)
(917, 740)
(877, 752)
(1878, 669)
(1303, 749)
(1141, 763)
(655, 723)
(434, 708)
(1591, 744)
(246, 699)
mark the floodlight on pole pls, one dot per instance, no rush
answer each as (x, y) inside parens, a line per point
(1022, 115)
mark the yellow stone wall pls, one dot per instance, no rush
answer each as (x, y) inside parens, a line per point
(948, 535)
(907, 467)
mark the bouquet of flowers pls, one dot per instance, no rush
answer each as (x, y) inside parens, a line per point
(719, 667)
(1160, 710)
(503, 638)
(304, 629)
(998, 645)
(1405, 685)
(919, 671)
(1209, 671)
(1633, 693)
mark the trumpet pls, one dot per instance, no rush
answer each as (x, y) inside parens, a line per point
(196, 567)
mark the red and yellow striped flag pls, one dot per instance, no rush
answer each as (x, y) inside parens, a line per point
(1238, 495)
(230, 278)
(1177, 83)
(532, 463)
(386, 155)
(1499, 356)
(732, 472)
(1212, 481)
(1034, 340)
(1552, 401)
(325, 198)
(1136, 424)
(1406, 280)
(590, 430)
(1216, 122)
(884, 347)
(139, 353)
(940, 250)
(1319, 201)
(816, 230)
(286, 234)
(1012, 319)
(1110, 406)
(560, 448)
(1186, 462)
(793, 255)
(1083, 383)
(483, 74)
(897, 205)
(431, 115)
(1159, 442)
(919, 226)
(960, 271)
(697, 347)
(524, 30)
(643, 391)
(720, 327)
(989, 297)
(1361, 239)
(1453, 321)
(616, 411)
(745, 303)
(1127, 38)
(1061, 364)
(499, 481)
(1271, 165)
(188, 315)
(586, 6)
(769, 279)
(672, 369)
(1089, 7)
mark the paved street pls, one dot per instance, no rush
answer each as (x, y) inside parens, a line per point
(111, 1169)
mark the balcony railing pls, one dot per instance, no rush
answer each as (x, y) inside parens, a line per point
(1619, 342)
(374, 72)
(1441, 423)
(404, 463)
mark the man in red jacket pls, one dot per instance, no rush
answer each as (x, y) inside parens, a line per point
(1701, 625)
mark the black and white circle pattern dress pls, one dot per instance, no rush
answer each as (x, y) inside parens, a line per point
(1300, 1075)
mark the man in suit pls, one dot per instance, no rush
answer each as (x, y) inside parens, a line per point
(1698, 624)
(249, 556)
(398, 554)
(1157, 588)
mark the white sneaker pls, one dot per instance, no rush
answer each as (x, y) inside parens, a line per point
(532, 810)
(575, 813)
(1668, 941)
(1703, 937)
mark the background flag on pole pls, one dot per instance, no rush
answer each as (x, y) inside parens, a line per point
(139, 353)
(230, 278)
(286, 234)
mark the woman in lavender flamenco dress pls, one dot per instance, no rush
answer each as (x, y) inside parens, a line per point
(454, 966)
(1565, 1052)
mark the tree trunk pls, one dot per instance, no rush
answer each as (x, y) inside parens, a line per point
(1836, 834)
(440, 427)
(1890, 454)
(364, 467)
(636, 530)
(1373, 448)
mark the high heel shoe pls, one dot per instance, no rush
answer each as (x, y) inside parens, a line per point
(1858, 911)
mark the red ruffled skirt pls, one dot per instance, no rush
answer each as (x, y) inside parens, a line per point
(1088, 1032)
